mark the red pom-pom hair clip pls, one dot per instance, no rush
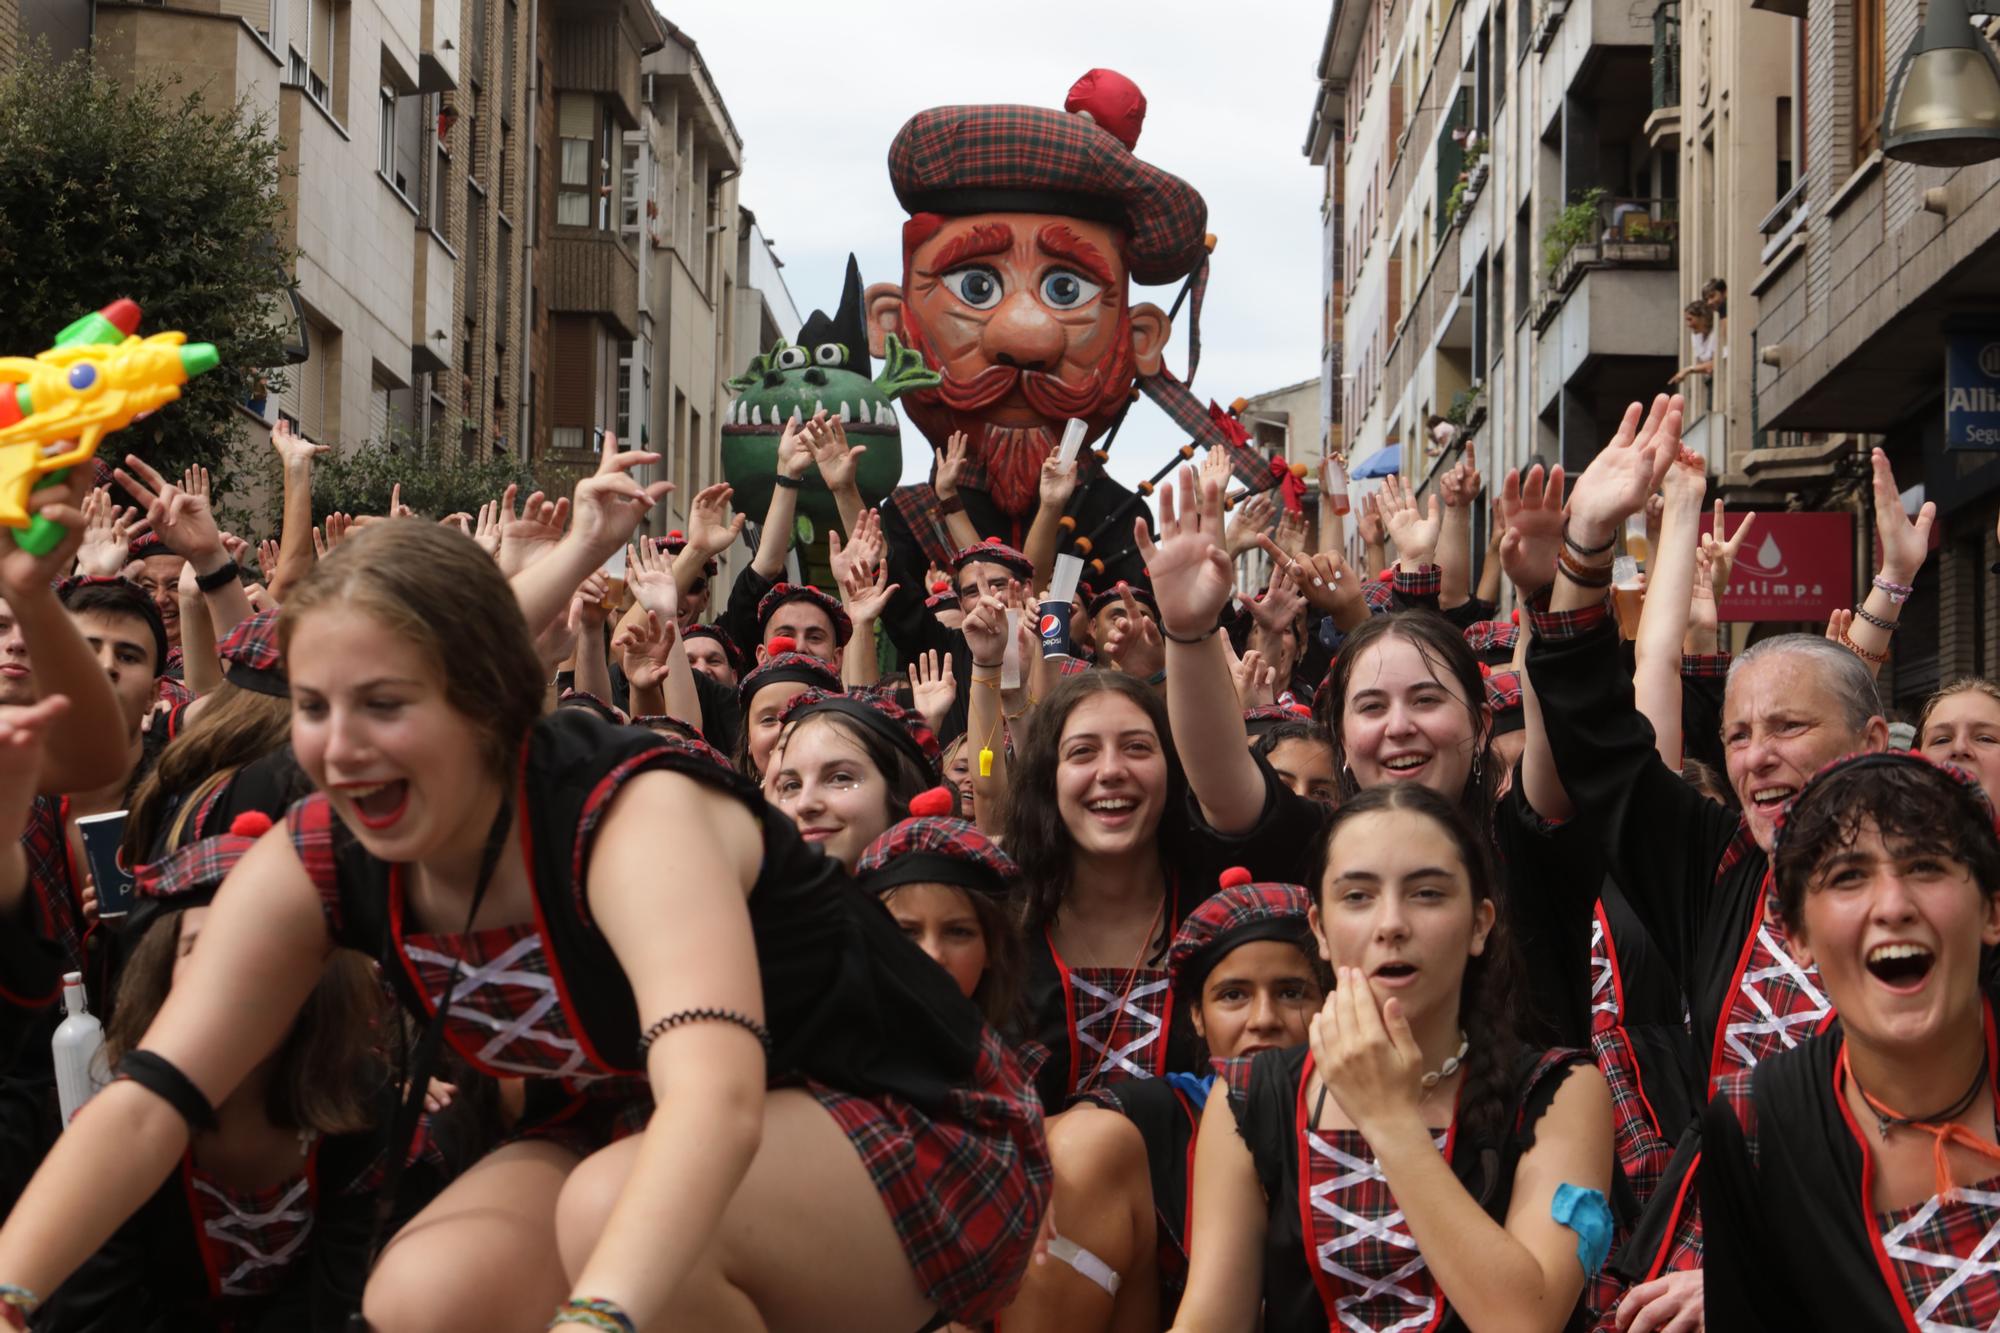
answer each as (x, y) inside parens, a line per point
(937, 803)
(250, 824)
(941, 586)
(1235, 877)
(784, 643)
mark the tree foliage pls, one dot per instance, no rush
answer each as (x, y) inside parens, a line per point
(437, 479)
(152, 193)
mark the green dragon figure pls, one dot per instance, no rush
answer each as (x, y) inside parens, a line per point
(826, 368)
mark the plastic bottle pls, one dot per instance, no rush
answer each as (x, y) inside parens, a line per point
(1336, 483)
(79, 1051)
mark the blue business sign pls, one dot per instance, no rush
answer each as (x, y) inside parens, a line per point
(1972, 390)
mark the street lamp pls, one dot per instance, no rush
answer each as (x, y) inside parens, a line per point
(1943, 108)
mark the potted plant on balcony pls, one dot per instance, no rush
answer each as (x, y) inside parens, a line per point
(1476, 166)
(1571, 240)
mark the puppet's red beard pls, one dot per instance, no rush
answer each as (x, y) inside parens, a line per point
(1012, 455)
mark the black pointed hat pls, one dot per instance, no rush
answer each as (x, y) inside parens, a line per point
(848, 327)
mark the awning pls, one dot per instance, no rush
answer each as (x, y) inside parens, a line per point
(1386, 461)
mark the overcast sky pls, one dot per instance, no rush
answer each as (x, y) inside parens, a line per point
(817, 92)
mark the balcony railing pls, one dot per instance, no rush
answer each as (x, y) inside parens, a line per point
(1667, 54)
(1604, 231)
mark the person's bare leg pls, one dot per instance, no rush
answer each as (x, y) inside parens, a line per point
(1103, 1203)
(482, 1256)
(805, 1245)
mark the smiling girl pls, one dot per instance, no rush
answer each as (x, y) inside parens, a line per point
(751, 1102)
(1960, 725)
(1850, 1182)
(1413, 1166)
(845, 766)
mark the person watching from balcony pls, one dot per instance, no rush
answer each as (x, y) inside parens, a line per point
(1701, 323)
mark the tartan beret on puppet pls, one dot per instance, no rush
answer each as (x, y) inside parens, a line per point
(787, 666)
(935, 849)
(995, 552)
(1239, 913)
(1264, 717)
(675, 542)
(784, 594)
(190, 876)
(902, 728)
(957, 160)
(250, 657)
(1503, 696)
(721, 636)
(1141, 594)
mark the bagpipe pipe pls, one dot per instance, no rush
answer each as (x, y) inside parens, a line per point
(1213, 427)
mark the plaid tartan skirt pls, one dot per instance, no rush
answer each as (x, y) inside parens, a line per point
(967, 1190)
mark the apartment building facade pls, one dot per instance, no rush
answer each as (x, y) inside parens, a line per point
(1874, 325)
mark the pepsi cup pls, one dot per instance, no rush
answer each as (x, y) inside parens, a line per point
(1055, 629)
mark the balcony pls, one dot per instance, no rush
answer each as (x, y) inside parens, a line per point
(1608, 316)
(1603, 231)
(593, 272)
(430, 313)
(1667, 55)
(437, 61)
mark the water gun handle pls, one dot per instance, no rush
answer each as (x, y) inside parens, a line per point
(43, 534)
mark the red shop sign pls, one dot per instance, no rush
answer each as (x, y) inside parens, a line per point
(1791, 567)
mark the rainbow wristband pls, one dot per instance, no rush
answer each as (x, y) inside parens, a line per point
(583, 1312)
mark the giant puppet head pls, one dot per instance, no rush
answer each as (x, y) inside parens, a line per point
(1028, 226)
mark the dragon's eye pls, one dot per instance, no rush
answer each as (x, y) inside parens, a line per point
(791, 358)
(830, 354)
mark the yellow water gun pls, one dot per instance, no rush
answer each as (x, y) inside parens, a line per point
(57, 406)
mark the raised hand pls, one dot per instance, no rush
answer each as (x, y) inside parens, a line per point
(1256, 680)
(1532, 509)
(108, 530)
(1291, 534)
(950, 465)
(643, 647)
(397, 509)
(1192, 576)
(1627, 470)
(526, 536)
(267, 559)
(1720, 554)
(1414, 530)
(1905, 543)
(985, 630)
(25, 574)
(1281, 603)
(932, 687)
(711, 530)
(1368, 519)
(331, 534)
(608, 505)
(593, 592)
(1838, 623)
(837, 459)
(294, 451)
(23, 728)
(1058, 481)
(1134, 642)
(861, 552)
(1248, 521)
(865, 590)
(486, 529)
(1331, 585)
(650, 575)
(180, 515)
(794, 455)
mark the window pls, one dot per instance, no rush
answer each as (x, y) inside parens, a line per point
(1867, 77)
(605, 180)
(438, 199)
(629, 197)
(624, 390)
(314, 29)
(385, 148)
(576, 127)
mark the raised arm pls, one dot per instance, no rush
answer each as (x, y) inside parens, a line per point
(23, 730)
(1044, 534)
(1531, 507)
(86, 746)
(605, 512)
(262, 950)
(774, 539)
(1905, 546)
(685, 943)
(861, 571)
(950, 464)
(985, 629)
(1460, 488)
(295, 551)
(1192, 581)
(1663, 622)
(182, 518)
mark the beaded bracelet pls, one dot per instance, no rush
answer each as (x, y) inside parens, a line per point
(1898, 592)
(16, 1304)
(685, 1016)
(1877, 658)
(606, 1316)
(1886, 626)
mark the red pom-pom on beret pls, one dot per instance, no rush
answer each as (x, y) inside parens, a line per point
(250, 824)
(784, 643)
(937, 803)
(1234, 878)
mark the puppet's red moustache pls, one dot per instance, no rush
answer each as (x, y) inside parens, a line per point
(1047, 394)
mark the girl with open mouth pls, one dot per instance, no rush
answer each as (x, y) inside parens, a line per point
(1854, 1181)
